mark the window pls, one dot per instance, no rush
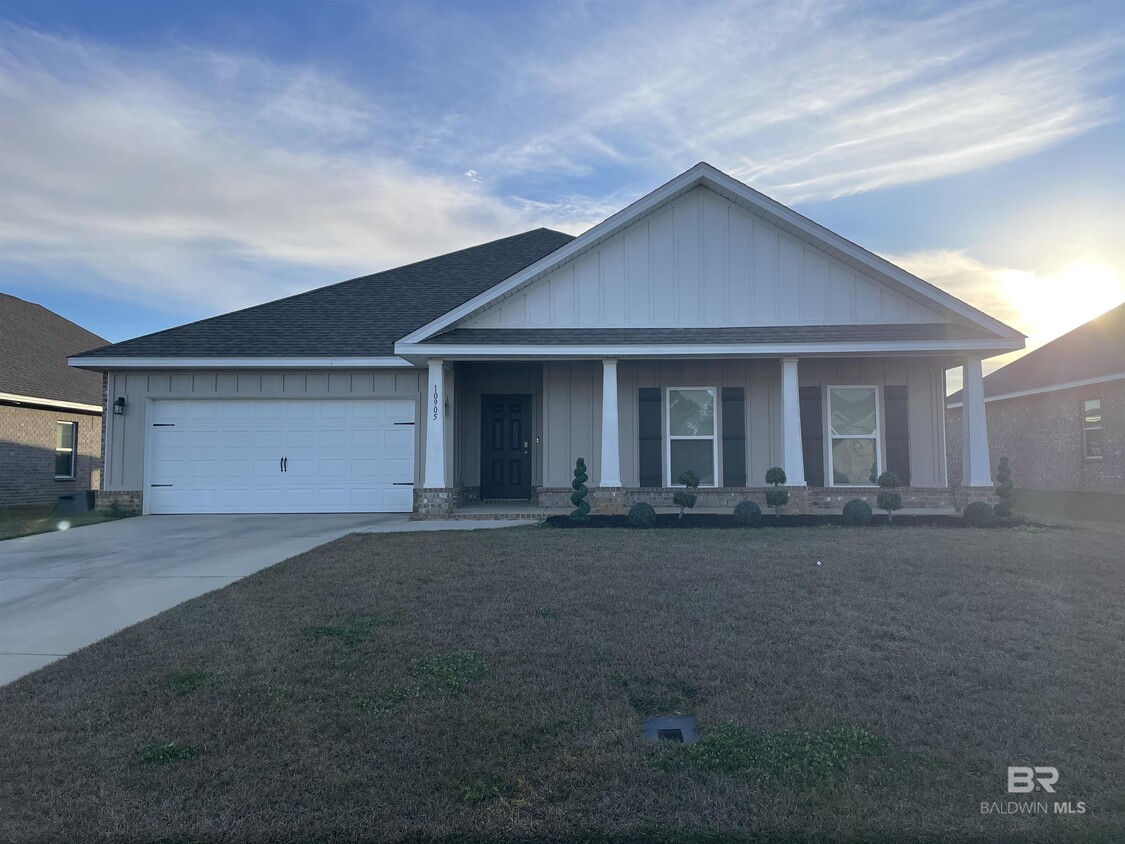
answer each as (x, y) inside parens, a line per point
(691, 434)
(66, 443)
(1092, 429)
(853, 422)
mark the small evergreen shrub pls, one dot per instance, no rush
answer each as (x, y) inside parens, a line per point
(978, 514)
(888, 499)
(1004, 490)
(776, 498)
(641, 516)
(857, 512)
(747, 514)
(685, 498)
(578, 497)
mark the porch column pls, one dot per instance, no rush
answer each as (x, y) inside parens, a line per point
(792, 453)
(434, 408)
(610, 475)
(975, 470)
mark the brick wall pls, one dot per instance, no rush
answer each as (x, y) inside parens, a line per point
(1041, 435)
(27, 454)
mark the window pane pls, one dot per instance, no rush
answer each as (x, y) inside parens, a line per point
(691, 413)
(853, 461)
(64, 435)
(853, 410)
(1094, 442)
(697, 455)
(64, 464)
(1092, 412)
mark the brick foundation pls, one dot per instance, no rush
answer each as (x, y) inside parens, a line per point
(128, 501)
(435, 503)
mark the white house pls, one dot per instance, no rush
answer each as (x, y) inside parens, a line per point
(703, 327)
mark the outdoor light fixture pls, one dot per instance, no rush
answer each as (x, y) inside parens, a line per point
(119, 406)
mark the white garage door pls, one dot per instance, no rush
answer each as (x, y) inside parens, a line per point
(281, 456)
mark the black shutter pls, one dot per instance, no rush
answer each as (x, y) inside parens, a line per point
(812, 435)
(651, 469)
(734, 436)
(897, 434)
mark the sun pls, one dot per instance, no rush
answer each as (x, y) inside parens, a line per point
(1051, 305)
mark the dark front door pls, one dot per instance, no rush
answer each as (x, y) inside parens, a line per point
(505, 460)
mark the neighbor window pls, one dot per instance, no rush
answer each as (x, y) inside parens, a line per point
(1092, 429)
(853, 421)
(691, 434)
(66, 443)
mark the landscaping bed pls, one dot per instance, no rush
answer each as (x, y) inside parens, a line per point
(725, 520)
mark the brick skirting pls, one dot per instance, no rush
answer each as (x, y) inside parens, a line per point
(128, 501)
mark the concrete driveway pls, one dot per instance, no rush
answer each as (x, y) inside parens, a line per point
(62, 591)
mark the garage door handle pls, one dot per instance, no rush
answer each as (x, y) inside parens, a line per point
(285, 464)
(281, 464)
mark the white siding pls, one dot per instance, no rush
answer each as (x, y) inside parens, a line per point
(703, 261)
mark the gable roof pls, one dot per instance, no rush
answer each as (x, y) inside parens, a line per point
(1093, 351)
(34, 345)
(771, 211)
(358, 318)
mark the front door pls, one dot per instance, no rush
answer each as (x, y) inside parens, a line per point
(505, 460)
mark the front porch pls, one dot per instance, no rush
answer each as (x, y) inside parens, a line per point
(502, 437)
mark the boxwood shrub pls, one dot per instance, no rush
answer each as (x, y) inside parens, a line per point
(641, 516)
(747, 514)
(857, 512)
(978, 514)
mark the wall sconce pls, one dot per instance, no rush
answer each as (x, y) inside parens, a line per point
(119, 406)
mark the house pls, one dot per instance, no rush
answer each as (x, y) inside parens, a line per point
(1058, 413)
(703, 327)
(50, 414)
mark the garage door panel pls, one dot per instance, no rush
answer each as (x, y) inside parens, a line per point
(210, 456)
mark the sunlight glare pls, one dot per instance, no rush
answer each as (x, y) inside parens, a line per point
(1053, 304)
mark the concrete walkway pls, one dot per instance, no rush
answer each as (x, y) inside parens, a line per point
(62, 591)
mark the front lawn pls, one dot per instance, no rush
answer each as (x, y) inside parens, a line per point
(28, 519)
(493, 684)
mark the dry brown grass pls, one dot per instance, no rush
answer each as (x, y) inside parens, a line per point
(492, 684)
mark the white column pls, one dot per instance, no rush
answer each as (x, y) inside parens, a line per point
(792, 454)
(610, 474)
(434, 410)
(976, 470)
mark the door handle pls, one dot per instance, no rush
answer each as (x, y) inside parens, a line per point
(281, 464)
(285, 464)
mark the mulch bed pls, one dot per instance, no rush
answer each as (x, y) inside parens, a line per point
(724, 521)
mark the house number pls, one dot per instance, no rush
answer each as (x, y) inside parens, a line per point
(435, 403)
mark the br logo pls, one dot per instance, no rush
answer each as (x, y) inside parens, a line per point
(1022, 779)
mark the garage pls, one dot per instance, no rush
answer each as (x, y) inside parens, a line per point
(280, 456)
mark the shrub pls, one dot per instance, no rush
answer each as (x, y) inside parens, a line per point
(684, 498)
(641, 516)
(1004, 490)
(578, 497)
(776, 498)
(857, 512)
(978, 514)
(888, 480)
(888, 499)
(747, 514)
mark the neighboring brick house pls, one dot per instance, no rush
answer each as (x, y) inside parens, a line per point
(1058, 413)
(50, 413)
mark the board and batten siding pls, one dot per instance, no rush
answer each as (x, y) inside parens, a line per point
(702, 261)
(125, 434)
(572, 409)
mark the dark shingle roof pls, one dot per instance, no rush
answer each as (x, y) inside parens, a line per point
(358, 318)
(34, 345)
(756, 334)
(1093, 350)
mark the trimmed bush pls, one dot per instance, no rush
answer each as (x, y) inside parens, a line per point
(776, 498)
(1004, 490)
(641, 516)
(685, 498)
(978, 514)
(857, 512)
(888, 499)
(578, 497)
(775, 475)
(888, 480)
(747, 514)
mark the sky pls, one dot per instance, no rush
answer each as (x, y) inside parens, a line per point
(161, 162)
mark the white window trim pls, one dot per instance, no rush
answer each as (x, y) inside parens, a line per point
(72, 451)
(668, 436)
(1087, 427)
(878, 436)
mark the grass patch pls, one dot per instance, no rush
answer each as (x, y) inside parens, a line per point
(162, 754)
(802, 756)
(27, 520)
(185, 682)
(947, 656)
